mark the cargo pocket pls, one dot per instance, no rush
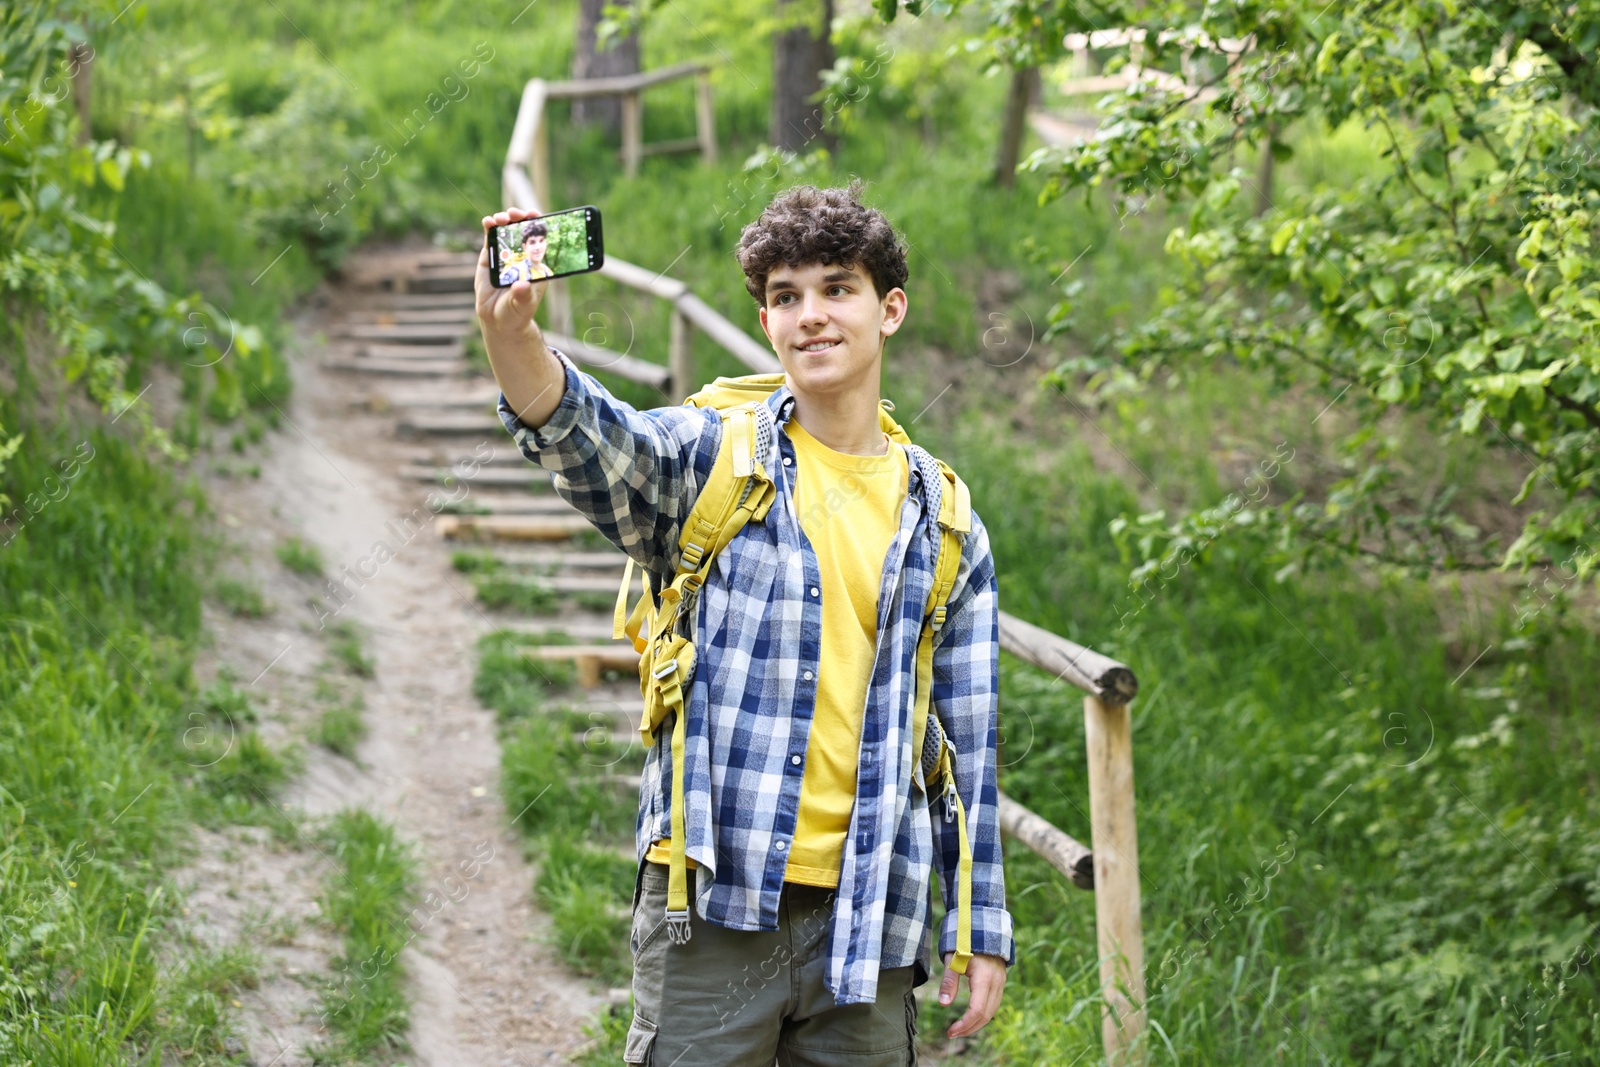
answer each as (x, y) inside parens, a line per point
(641, 1039)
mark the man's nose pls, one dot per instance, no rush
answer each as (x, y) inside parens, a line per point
(812, 308)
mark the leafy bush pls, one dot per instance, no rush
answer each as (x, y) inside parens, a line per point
(314, 203)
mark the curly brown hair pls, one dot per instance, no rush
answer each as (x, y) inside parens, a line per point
(830, 226)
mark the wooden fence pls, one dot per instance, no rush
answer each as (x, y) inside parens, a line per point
(1111, 869)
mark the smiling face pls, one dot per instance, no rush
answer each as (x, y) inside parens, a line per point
(827, 325)
(533, 246)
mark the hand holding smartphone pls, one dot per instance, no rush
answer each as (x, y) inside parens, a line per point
(556, 245)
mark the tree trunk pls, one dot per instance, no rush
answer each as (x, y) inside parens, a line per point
(1264, 175)
(621, 58)
(799, 54)
(1023, 92)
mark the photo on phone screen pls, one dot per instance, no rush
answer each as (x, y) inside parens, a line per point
(550, 246)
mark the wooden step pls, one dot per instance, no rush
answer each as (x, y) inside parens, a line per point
(528, 504)
(510, 527)
(430, 423)
(453, 351)
(465, 317)
(589, 626)
(385, 301)
(484, 400)
(532, 478)
(575, 583)
(437, 283)
(442, 257)
(589, 659)
(504, 455)
(401, 368)
(410, 334)
(613, 561)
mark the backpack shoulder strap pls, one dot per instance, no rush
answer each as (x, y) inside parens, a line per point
(736, 491)
(938, 765)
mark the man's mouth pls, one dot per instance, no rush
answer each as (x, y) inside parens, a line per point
(813, 347)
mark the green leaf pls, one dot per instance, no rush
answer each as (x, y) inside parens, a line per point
(1328, 275)
(1533, 244)
(1280, 239)
(111, 174)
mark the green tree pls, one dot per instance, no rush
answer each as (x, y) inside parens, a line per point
(1455, 278)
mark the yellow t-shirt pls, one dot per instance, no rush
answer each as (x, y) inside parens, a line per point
(849, 507)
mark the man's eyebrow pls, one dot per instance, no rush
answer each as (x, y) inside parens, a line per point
(838, 274)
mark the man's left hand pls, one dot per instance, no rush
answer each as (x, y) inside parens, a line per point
(986, 978)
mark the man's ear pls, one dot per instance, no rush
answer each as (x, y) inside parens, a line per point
(762, 311)
(894, 311)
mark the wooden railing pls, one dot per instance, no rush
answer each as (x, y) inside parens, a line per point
(1112, 868)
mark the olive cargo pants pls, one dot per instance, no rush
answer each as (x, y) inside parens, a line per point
(749, 998)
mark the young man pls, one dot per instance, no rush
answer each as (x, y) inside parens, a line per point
(811, 844)
(530, 265)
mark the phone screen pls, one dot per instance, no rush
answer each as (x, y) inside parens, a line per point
(550, 246)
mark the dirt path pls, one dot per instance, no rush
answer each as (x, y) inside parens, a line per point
(485, 987)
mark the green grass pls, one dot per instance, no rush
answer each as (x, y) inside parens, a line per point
(301, 557)
(344, 645)
(367, 899)
(341, 728)
(587, 894)
(553, 775)
(474, 562)
(528, 596)
(513, 685)
(101, 723)
(1429, 875)
(242, 598)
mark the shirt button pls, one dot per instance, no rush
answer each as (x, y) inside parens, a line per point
(795, 759)
(780, 846)
(814, 591)
(787, 461)
(807, 676)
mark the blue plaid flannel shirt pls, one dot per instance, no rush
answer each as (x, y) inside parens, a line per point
(758, 635)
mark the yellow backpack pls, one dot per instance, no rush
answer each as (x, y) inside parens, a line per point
(739, 490)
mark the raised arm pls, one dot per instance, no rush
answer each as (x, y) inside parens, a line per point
(633, 474)
(529, 375)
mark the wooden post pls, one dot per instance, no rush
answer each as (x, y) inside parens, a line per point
(82, 86)
(705, 117)
(541, 164)
(679, 370)
(1109, 740)
(632, 132)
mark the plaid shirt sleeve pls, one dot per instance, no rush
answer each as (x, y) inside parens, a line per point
(633, 474)
(966, 672)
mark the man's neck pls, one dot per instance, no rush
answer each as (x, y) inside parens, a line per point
(845, 422)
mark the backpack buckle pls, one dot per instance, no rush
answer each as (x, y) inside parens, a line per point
(678, 926)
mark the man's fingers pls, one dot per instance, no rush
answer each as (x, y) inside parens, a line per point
(984, 985)
(948, 987)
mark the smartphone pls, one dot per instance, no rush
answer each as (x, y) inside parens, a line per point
(550, 246)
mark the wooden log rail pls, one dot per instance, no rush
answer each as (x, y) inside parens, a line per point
(1112, 868)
